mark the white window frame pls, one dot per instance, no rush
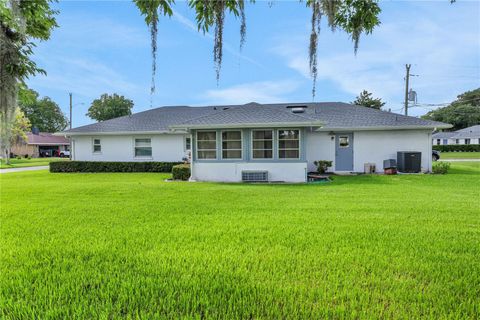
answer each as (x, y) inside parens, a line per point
(98, 144)
(241, 145)
(252, 148)
(197, 150)
(135, 146)
(299, 144)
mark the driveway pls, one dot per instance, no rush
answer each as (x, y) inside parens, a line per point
(23, 169)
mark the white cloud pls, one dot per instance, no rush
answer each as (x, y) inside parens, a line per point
(262, 92)
(227, 47)
(440, 49)
(83, 76)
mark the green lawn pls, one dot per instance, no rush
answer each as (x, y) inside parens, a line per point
(33, 162)
(89, 246)
(460, 155)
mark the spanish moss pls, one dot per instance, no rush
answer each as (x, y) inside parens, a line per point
(219, 20)
(243, 24)
(153, 36)
(316, 20)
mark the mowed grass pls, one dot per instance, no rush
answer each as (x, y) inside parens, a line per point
(460, 155)
(32, 162)
(83, 246)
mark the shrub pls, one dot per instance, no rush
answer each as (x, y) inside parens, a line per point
(457, 148)
(18, 157)
(440, 167)
(97, 166)
(322, 165)
(181, 172)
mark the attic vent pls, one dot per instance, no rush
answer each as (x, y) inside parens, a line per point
(254, 176)
(297, 109)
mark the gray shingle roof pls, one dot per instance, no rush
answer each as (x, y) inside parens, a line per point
(328, 115)
(472, 132)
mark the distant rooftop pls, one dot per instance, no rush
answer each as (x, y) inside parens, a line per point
(472, 132)
(45, 138)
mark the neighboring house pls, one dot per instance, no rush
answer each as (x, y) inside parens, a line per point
(470, 135)
(281, 139)
(41, 144)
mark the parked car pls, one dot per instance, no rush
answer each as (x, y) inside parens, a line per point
(435, 155)
(64, 154)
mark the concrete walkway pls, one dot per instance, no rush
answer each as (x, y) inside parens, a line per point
(23, 169)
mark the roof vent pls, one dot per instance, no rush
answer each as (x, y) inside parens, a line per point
(297, 109)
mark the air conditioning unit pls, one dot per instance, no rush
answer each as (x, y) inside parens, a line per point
(254, 176)
(409, 161)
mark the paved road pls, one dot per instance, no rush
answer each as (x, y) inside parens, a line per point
(23, 169)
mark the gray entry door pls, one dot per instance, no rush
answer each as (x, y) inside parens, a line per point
(344, 152)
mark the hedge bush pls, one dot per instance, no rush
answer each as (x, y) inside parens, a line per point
(458, 148)
(181, 172)
(440, 167)
(97, 166)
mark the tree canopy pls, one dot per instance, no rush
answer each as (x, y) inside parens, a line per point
(44, 113)
(109, 107)
(461, 113)
(21, 126)
(365, 99)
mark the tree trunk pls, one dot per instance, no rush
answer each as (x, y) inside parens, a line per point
(8, 93)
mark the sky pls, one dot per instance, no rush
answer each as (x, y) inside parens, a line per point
(104, 47)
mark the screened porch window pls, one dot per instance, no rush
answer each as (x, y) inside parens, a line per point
(143, 147)
(288, 144)
(207, 145)
(232, 144)
(262, 144)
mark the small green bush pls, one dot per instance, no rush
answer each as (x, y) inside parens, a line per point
(98, 166)
(457, 148)
(322, 165)
(181, 172)
(440, 167)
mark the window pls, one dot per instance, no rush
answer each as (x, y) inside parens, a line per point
(97, 146)
(438, 141)
(143, 147)
(231, 145)
(445, 141)
(467, 141)
(207, 145)
(343, 142)
(262, 144)
(457, 141)
(188, 143)
(288, 144)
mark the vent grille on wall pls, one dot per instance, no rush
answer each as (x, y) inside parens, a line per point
(255, 176)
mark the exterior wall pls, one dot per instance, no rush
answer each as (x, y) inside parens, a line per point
(23, 149)
(165, 147)
(285, 170)
(460, 141)
(320, 146)
(232, 171)
(376, 146)
(371, 147)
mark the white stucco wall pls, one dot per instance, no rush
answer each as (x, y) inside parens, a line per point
(165, 147)
(232, 171)
(320, 146)
(376, 146)
(371, 147)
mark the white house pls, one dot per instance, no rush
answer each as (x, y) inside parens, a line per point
(279, 140)
(470, 135)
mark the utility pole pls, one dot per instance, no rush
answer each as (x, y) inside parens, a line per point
(70, 110)
(407, 77)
